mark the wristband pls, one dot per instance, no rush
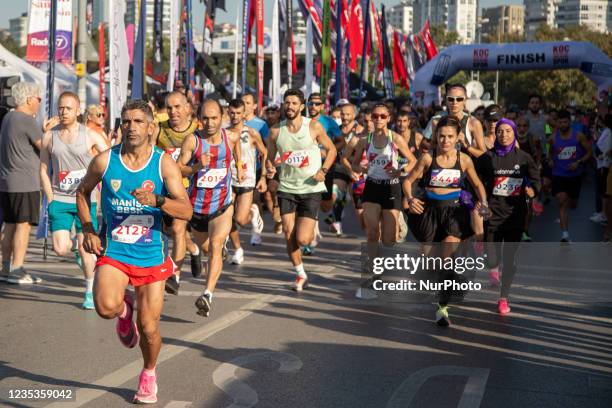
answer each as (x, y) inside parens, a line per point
(159, 200)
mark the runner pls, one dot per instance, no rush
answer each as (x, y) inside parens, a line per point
(171, 136)
(511, 177)
(302, 176)
(570, 150)
(342, 176)
(316, 107)
(205, 158)
(135, 179)
(492, 114)
(273, 117)
(359, 178)
(530, 145)
(66, 150)
(244, 210)
(259, 125)
(441, 216)
(382, 196)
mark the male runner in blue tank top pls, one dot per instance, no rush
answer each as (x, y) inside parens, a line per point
(132, 249)
(570, 151)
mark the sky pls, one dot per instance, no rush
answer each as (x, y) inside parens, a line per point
(14, 8)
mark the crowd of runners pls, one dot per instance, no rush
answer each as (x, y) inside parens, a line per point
(180, 177)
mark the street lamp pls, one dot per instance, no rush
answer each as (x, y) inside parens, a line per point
(499, 30)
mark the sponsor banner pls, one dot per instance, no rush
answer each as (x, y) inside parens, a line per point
(38, 31)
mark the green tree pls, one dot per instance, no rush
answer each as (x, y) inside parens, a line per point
(10, 44)
(444, 38)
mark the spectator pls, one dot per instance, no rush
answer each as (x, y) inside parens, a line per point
(94, 120)
(20, 144)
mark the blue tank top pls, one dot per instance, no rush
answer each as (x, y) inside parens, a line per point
(566, 152)
(132, 233)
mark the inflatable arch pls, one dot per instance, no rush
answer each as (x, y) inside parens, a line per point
(596, 65)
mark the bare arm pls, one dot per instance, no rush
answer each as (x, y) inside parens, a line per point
(359, 148)
(45, 162)
(404, 150)
(91, 241)
(416, 174)
(478, 135)
(328, 146)
(348, 152)
(468, 167)
(178, 206)
(98, 141)
(187, 149)
(261, 148)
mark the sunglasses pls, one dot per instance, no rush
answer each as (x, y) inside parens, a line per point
(455, 98)
(100, 115)
(376, 116)
(315, 103)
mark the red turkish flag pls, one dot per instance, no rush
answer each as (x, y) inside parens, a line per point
(430, 46)
(399, 66)
(355, 33)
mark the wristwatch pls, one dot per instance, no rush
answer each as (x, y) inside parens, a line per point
(159, 200)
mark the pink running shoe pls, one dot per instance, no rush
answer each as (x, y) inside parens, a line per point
(494, 277)
(127, 330)
(300, 284)
(147, 389)
(502, 306)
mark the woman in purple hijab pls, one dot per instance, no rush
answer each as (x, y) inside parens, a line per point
(510, 176)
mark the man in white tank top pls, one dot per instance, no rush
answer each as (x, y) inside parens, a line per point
(67, 150)
(245, 211)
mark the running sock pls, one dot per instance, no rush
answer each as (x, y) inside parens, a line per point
(299, 269)
(89, 285)
(565, 234)
(196, 252)
(209, 294)
(150, 373)
(239, 251)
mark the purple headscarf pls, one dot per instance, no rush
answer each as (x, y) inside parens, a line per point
(504, 150)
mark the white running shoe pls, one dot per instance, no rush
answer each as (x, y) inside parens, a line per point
(255, 238)
(238, 257)
(338, 227)
(403, 228)
(598, 217)
(256, 221)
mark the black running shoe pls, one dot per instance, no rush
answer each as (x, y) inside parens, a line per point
(203, 304)
(196, 265)
(172, 285)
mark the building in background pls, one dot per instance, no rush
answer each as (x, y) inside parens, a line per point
(401, 16)
(538, 12)
(298, 22)
(131, 16)
(454, 15)
(594, 14)
(18, 28)
(502, 21)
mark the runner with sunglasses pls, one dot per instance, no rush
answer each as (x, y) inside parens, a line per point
(439, 215)
(316, 107)
(382, 196)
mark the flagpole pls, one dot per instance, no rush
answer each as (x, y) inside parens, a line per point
(51, 67)
(236, 39)
(364, 58)
(289, 43)
(339, 59)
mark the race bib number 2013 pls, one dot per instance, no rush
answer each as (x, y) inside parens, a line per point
(132, 229)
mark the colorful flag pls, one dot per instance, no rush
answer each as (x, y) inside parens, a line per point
(339, 52)
(388, 65)
(276, 56)
(308, 69)
(365, 50)
(325, 48)
(138, 71)
(409, 58)
(399, 65)
(38, 32)
(430, 46)
(102, 66)
(158, 44)
(245, 41)
(52, 48)
(190, 50)
(355, 32)
(260, 54)
(119, 61)
(174, 38)
(376, 25)
(252, 15)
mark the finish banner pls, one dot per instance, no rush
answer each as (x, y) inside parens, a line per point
(38, 31)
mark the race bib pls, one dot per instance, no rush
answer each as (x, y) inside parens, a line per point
(132, 229)
(212, 178)
(445, 177)
(380, 160)
(507, 186)
(297, 158)
(174, 152)
(568, 152)
(68, 180)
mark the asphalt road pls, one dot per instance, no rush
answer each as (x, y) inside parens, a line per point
(266, 346)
